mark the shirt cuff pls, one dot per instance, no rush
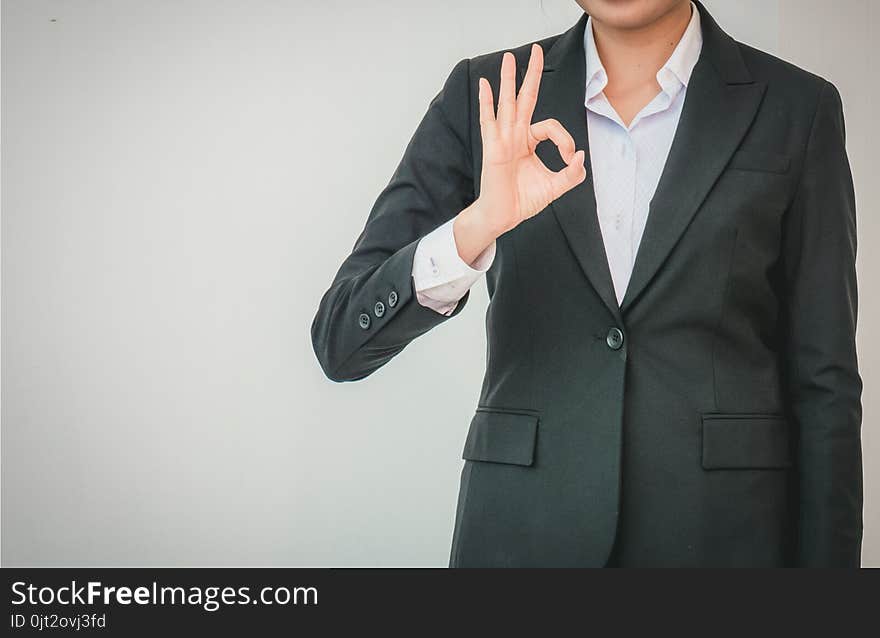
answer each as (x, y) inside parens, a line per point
(440, 276)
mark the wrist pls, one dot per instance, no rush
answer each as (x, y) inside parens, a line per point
(474, 232)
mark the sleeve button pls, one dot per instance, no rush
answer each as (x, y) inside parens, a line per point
(379, 309)
(364, 320)
(392, 298)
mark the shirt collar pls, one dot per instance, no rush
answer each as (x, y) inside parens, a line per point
(674, 74)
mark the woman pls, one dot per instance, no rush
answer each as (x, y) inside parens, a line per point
(671, 376)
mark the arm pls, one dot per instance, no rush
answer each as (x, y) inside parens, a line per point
(355, 331)
(823, 382)
(431, 184)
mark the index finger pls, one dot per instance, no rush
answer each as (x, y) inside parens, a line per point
(528, 92)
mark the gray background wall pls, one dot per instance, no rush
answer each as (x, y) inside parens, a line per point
(180, 182)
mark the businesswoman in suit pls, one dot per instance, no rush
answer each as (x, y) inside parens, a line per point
(666, 221)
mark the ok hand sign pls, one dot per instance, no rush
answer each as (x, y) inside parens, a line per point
(515, 183)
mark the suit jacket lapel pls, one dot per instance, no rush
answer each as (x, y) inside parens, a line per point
(561, 96)
(720, 103)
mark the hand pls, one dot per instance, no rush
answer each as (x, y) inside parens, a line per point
(515, 184)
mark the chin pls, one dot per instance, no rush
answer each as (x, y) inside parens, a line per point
(628, 14)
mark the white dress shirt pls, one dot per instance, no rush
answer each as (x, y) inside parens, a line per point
(626, 161)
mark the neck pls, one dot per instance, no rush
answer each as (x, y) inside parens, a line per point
(632, 56)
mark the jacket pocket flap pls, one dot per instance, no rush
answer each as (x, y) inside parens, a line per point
(501, 437)
(745, 441)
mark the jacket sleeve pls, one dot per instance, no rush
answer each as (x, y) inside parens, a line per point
(370, 312)
(819, 330)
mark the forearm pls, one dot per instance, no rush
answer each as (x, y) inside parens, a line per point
(349, 347)
(474, 231)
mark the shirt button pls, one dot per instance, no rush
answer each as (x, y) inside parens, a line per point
(379, 309)
(392, 298)
(364, 320)
(614, 339)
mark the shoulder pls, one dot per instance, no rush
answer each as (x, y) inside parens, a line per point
(797, 94)
(488, 64)
(785, 78)
(462, 80)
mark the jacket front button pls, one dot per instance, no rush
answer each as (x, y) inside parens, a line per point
(364, 320)
(379, 309)
(614, 339)
(392, 298)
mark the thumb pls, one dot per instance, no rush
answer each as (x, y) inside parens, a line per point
(571, 175)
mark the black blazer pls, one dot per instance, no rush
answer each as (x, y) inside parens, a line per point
(713, 417)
